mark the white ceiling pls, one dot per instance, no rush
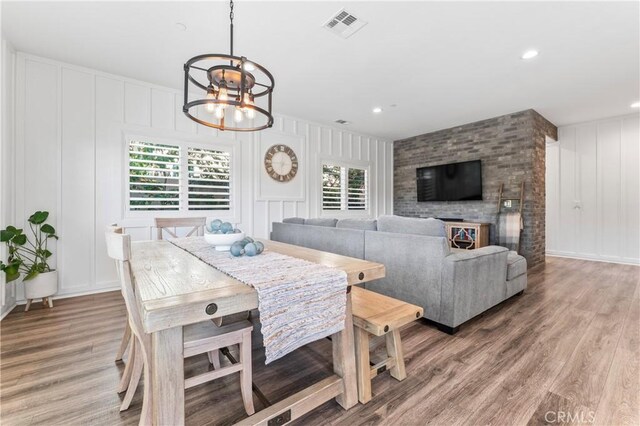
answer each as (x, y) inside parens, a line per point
(442, 63)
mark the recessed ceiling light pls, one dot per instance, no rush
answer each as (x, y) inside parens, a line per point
(377, 110)
(529, 54)
(635, 105)
(180, 26)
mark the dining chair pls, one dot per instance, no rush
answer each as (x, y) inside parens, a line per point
(166, 223)
(199, 338)
(127, 337)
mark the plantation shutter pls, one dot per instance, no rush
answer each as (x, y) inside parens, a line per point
(357, 189)
(154, 176)
(344, 188)
(332, 187)
(209, 186)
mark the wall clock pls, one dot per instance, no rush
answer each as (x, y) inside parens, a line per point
(281, 163)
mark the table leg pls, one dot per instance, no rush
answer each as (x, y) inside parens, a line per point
(167, 376)
(344, 361)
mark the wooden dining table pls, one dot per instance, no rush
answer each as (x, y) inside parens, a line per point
(175, 288)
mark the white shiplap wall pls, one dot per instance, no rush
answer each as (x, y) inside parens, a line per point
(7, 165)
(593, 191)
(70, 126)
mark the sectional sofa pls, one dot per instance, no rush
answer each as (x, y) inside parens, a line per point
(452, 287)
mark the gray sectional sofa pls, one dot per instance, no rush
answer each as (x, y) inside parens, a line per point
(452, 287)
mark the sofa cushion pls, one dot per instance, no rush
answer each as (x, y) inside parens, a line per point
(296, 220)
(331, 223)
(364, 224)
(410, 225)
(516, 265)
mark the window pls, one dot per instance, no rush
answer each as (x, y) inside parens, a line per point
(344, 188)
(178, 177)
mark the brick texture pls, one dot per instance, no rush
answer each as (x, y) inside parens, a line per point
(512, 149)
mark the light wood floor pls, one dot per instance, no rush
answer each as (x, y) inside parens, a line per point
(569, 345)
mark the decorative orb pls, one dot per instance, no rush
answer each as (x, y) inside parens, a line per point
(226, 227)
(215, 225)
(259, 246)
(249, 239)
(250, 249)
(236, 249)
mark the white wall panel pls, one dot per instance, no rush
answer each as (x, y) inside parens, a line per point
(568, 214)
(137, 104)
(630, 188)
(8, 166)
(598, 172)
(109, 176)
(586, 189)
(552, 195)
(162, 109)
(82, 145)
(608, 160)
(77, 215)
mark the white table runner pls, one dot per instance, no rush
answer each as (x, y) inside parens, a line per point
(299, 301)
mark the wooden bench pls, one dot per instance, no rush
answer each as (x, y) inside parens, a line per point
(379, 315)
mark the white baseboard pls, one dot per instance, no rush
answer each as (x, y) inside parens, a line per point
(635, 262)
(7, 311)
(76, 294)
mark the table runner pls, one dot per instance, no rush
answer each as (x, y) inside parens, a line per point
(299, 301)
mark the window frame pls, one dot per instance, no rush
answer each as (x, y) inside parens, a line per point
(349, 164)
(184, 143)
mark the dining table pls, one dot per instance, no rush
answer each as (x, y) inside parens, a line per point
(174, 289)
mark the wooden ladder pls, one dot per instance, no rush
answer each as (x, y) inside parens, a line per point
(502, 199)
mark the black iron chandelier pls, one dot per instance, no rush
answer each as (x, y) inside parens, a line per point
(234, 87)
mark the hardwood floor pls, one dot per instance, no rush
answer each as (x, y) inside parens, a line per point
(565, 352)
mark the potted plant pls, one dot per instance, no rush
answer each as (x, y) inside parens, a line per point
(31, 258)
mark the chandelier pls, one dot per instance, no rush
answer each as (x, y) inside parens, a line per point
(235, 92)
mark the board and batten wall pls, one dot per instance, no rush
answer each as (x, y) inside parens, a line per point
(70, 127)
(593, 191)
(7, 165)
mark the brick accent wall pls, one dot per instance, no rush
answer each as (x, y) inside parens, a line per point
(512, 149)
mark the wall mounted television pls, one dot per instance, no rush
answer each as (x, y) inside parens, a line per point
(450, 182)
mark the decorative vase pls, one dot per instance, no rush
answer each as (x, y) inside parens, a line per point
(44, 284)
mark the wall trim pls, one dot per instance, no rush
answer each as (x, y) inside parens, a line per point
(113, 286)
(553, 253)
(5, 313)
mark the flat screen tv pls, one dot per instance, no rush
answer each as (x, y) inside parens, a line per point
(450, 182)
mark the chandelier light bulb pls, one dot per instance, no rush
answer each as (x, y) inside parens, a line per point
(237, 115)
(223, 95)
(251, 114)
(210, 95)
(220, 112)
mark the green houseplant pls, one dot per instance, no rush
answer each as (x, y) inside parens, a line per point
(29, 257)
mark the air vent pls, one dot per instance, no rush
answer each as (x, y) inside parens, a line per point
(345, 122)
(344, 24)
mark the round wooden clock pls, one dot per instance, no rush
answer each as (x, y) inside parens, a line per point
(281, 163)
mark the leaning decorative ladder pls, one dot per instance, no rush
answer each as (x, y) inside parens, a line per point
(506, 202)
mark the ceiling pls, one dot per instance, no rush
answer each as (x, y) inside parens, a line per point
(441, 64)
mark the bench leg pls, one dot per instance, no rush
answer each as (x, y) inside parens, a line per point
(394, 350)
(362, 364)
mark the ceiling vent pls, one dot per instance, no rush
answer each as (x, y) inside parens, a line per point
(345, 122)
(344, 24)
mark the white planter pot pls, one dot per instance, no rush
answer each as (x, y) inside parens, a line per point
(43, 285)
